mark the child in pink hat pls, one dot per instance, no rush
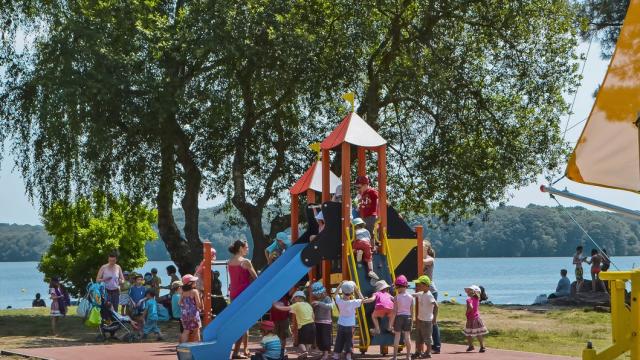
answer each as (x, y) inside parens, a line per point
(190, 308)
(403, 313)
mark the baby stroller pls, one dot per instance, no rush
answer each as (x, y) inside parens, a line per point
(112, 322)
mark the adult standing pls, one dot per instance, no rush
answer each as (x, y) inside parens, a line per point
(367, 205)
(241, 273)
(111, 275)
(429, 262)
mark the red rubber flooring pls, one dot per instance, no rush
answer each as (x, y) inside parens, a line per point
(162, 351)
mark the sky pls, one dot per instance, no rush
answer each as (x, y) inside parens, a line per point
(18, 209)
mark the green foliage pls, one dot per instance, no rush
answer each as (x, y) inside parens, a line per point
(164, 99)
(22, 242)
(85, 232)
(533, 231)
(506, 231)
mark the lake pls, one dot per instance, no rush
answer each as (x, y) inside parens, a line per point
(507, 280)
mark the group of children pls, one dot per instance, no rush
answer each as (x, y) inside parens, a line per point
(314, 319)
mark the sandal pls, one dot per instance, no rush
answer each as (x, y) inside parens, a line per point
(483, 349)
(239, 356)
(470, 348)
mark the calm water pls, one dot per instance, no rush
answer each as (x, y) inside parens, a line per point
(507, 280)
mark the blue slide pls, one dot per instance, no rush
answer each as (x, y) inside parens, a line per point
(248, 307)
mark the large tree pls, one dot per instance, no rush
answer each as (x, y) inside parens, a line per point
(165, 99)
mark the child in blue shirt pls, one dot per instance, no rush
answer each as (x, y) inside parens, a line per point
(150, 315)
(271, 346)
(136, 296)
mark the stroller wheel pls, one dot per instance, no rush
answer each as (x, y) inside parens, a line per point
(101, 338)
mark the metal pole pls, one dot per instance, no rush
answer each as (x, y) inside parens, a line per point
(634, 214)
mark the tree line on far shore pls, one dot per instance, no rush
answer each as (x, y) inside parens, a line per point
(506, 231)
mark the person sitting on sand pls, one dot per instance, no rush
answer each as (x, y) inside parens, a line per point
(564, 286)
(38, 302)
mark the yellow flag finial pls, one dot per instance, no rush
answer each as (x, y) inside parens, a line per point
(350, 97)
(316, 147)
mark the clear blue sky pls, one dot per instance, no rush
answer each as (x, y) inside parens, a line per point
(17, 208)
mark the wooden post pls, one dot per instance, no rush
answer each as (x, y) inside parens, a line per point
(362, 161)
(295, 214)
(346, 204)
(326, 185)
(420, 248)
(206, 280)
(382, 193)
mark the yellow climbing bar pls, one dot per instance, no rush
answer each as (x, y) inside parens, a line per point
(625, 321)
(364, 326)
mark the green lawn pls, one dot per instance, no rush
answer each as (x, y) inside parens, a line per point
(560, 332)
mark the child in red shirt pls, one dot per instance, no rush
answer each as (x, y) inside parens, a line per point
(367, 203)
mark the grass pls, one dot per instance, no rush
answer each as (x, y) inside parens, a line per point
(556, 331)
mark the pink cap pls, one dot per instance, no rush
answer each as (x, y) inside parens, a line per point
(188, 279)
(402, 281)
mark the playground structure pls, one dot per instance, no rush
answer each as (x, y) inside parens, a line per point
(400, 250)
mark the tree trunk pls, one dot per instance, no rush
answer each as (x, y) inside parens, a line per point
(186, 254)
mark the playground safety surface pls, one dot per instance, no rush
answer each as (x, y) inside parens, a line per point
(163, 350)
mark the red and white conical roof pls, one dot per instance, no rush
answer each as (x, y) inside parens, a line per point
(354, 131)
(312, 179)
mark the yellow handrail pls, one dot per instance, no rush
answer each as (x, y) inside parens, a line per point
(625, 321)
(392, 268)
(364, 328)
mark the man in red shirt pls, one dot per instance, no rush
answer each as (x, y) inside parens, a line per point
(367, 204)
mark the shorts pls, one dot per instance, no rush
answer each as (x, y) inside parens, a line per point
(424, 332)
(151, 326)
(323, 336)
(282, 329)
(307, 334)
(365, 246)
(579, 274)
(380, 313)
(402, 323)
(124, 299)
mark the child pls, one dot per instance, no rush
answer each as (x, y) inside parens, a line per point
(136, 296)
(347, 319)
(190, 306)
(475, 326)
(578, 259)
(304, 317)
(281, 321)
(403, 312)
(150, 315)
(383, 306)
(58, 308)
(322, 306)
(362, 246)
(176, 288)
(124, 293)
(271, 346)
(427, 316)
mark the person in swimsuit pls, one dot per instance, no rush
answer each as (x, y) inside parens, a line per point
(595, 262)
(241, 273)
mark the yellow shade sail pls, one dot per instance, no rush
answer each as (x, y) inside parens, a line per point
(608, 150)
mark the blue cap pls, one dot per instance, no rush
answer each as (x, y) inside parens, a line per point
(317, 288)
(284, 237)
